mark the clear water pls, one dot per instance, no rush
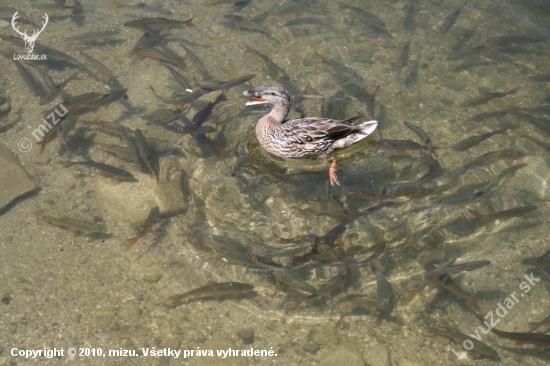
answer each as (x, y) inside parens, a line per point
(63, 290)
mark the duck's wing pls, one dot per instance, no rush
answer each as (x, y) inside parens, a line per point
(308, 130)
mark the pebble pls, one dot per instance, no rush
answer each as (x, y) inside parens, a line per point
(246, 335)
(130, 314)
(14, 179)
(151, 275)
(323, 334)
(343, 354)
(311, 348)
(377, 354)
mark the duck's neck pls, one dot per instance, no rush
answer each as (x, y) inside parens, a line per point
(279, 112)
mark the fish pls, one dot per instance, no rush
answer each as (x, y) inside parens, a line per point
(131, 146)
(403, 55)
(184, 182)
(145, 7)
(479, 347)
(191, 55)
(359, 299)
(402, 146)
(229, 84)
(97, 65)
(158, 23)
(476, 139)
(535, 325)
(345, 73)
(178, 77)
(162, 115)
(104, 169)
(247, 24)
(508, 40)
(451, 19)
(466, 266)
(160, 55)
(306, 21)
(427, 279)
(383, 288)
(506, 214)
(509, 155)
(121, 152)
(423, 136)
(293, 280)
(201, 116)
(6, 111)
(52, 94)
(486, 115)
(142, 149)
(271, 67)
(408, 20)
(540, 77)
(538, 339)
(543, 270)
(153, 217)
(445, 281)
(465, 53)
(104, 100)
(181, 99)
(331, 285)
(75, 225)
(216, 291)
(541, 123)
(190, 130)
(366, 18)
(486, 97)
(29, 79)
(94, 36)
(293, 7)
(45, 76)
(238, 6)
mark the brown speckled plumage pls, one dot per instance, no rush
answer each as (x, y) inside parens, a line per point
(303, 137)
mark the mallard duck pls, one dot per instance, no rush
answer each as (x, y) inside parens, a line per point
(303, 137)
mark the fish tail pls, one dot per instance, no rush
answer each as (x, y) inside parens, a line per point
(189, 22)
(473, 303)
(223, 97)
(410, 295)
(504, 131)
(533, 326)
(476, 214)
(513, 90)
(295, 304)
(131, 242)
(248, 48)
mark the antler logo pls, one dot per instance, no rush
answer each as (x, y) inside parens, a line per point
(29, 40)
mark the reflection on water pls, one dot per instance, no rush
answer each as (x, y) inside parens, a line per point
(459, 169)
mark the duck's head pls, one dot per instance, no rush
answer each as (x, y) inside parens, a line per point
(274, 95)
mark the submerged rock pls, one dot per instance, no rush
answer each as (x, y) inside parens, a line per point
(14, 179)
(344, 354)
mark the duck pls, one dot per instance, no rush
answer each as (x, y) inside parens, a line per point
(312, 137)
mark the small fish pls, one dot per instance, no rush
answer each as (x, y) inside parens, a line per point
(445, 281)
(506, 214)
(476, 139)
(293, 7)
(97, 65)
(479, 347)
(543, 322)
(450, 20)
(247, 24)
(271, 67)
(474, 51)
(153, 217)
(131, 146)
(423, 136)
(142, 149)
(178, 77)
(359, 299)
(104, 169)
(427, 279)
(540, 77)
(541, 123)
(486, 115)
(158, 23)
(403, 55)
(344, 72)
(408, 20)
(367, 18)
(325, 290)
(190, 130)
(508, 155)
(402, 146)
(29, 79)
(162, 115)
(184, 182)
(508, 40)
(466, 266)
(95, 36)
(383, 288)
(485, 97)
(216, 291)
(74, 224)
(464, 37)
(104, 100)
(238, 6)
(159, 55)
(544, 272)
(306, 21)
(181, 99)
(145, 7)
(229, 84)
(45, 76)
(52, 94)
(538, 339)
(292, 280)
(6, 111)
(201, 116)
(190, 54)
(121, 152)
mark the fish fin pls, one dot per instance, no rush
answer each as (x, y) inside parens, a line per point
(189, 22)
(223, 97)
(295, 304)
(473, 303)
(177, 299)
(211, 282)
(509, 162)
(65, 163)
(476, 214)
(222, 153)
(131, 242)
(248, 48)
(533, 326)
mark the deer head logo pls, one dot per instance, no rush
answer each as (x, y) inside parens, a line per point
(29, 40)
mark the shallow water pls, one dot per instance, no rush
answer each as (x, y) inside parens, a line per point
(63, 290)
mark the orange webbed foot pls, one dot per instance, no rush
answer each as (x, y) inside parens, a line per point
(332, 173)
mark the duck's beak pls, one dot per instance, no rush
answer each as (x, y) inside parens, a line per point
(255, 96)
